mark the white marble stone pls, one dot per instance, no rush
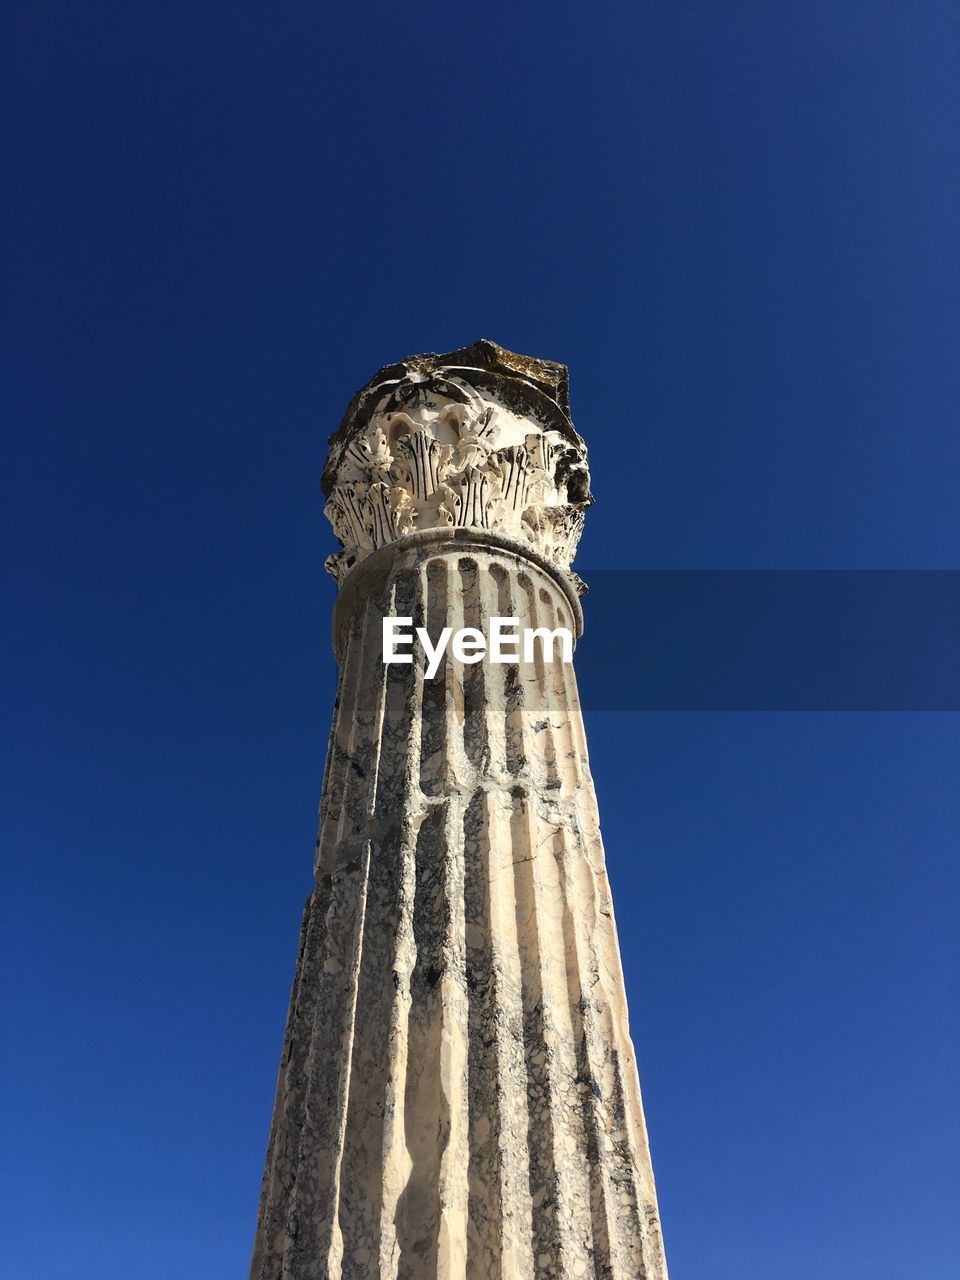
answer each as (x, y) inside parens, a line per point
(458, 1096)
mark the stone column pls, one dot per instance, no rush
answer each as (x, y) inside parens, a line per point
(458, 1096)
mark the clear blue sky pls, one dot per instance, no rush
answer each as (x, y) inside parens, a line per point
(738, 224)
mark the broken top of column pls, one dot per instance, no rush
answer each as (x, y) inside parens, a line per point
(479, 438)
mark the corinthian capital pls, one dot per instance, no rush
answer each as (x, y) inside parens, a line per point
(479, 438)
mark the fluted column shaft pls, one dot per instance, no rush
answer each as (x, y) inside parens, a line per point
(458, 1097)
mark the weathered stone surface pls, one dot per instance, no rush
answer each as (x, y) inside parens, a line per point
(459, 441)
(458, 1097)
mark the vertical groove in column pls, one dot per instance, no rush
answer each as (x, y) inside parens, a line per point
(345, 856)
(543, 1155)
(560, 679)
(399, 800)
(458, 770)
(338, 761)
(541, 1137)
(475, 731)
(570, 702)
(271, 1192)
(627, 1169)
(614, 1203)
(598, 1038)
(500, 1218)
(353, 850)
(493, 599)
(584, 1240)
(427, 1108)
(611, 1247)
(434, 769)
(542, 1160)
(560, 1189)
(484, 1259)
(313, 1237)
(485, 1173)
(538, 727)
(361, 1182)
(324, 806)
(515, 1193)
(514, 760)
(454, 1159)
(282, 1155)
(573, 1183)
(311, 1203)
(363, 736)
(433, 1206)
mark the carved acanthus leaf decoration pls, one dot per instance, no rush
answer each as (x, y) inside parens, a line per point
(468, 464)
(426, 460)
